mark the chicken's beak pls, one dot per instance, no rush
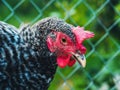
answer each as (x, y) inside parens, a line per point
(80, 58)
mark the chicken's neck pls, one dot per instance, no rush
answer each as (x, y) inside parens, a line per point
(36, 40)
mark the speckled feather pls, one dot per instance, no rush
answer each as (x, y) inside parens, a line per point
(25, 61)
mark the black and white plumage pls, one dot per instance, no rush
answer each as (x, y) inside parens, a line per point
(25, 61)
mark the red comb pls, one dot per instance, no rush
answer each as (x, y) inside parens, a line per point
(80, 36)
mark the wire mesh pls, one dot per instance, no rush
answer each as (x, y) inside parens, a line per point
(103, 51)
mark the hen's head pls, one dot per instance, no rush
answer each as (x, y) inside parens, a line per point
(65, 41)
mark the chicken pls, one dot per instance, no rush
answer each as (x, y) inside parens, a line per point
(29, 58)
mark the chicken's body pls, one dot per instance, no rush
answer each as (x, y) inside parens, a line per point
(29, 58)
(21, 67)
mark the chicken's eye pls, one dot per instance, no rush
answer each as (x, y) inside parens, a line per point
(63, 40)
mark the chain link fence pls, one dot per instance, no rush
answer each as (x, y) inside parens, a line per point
(103, 51)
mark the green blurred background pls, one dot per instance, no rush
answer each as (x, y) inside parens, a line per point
(103, 51)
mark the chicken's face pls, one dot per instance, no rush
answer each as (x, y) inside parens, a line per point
(67, 50)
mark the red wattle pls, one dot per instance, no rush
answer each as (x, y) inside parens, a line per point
(71, 63)
(63, 61)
